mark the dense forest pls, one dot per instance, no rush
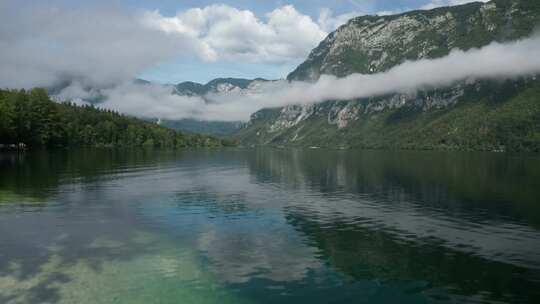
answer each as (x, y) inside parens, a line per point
(32, 118)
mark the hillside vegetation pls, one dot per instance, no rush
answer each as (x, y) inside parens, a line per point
(468, 115)
(32, 118)
(490, 116)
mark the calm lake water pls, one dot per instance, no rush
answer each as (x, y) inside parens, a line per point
(269, 226)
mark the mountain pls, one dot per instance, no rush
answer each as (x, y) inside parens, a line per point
(218, 85)
(192, 126)
(372, 44)
(483, 115)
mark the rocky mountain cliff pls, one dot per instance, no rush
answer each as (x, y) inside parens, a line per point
(372, 44)
(218, 85)
(483, 115)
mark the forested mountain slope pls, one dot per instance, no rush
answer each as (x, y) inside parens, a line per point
(484, 115)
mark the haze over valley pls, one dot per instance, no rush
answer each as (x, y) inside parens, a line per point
(299, 151)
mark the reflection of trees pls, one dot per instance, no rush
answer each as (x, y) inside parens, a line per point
(458, 184)
(368, 254)
(36, 174)
(31, 240)
(464, 183)
(465, 187)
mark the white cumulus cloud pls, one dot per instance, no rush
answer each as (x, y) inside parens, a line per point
(495, 61)
(46, 44)
(224, 32)
(329, 22)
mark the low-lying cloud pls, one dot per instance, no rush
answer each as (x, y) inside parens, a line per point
(99, 50)
(45, 46)
(495, 61)
(48, 44)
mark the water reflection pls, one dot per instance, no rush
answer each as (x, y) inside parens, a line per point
(269, 226)
(466, 221)
(465, 183)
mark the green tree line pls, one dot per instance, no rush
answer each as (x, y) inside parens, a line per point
(32, 118)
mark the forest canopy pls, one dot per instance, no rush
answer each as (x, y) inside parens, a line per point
(32, 118)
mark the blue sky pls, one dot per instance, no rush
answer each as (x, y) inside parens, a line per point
(104, 42)
(100, 46)
(194, 69)
(309, 7)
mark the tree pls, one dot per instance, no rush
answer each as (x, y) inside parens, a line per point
(32, 118)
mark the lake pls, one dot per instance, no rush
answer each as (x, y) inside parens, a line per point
(269, 226)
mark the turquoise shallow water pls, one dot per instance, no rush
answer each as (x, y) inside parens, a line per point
(269, 226)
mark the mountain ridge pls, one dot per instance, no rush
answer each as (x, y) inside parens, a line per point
(217, 85)
(374, 44)
(186, 88)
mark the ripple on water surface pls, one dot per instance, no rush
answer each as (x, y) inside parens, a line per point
(269, 226)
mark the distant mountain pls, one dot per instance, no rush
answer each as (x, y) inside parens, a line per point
(485, 115)
(219, 85)
(141, 81)
(93, 95)
(189, 88)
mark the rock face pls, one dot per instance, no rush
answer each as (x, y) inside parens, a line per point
(219, 85)
(373, 44)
